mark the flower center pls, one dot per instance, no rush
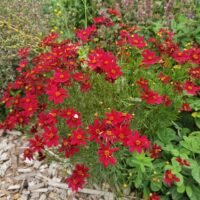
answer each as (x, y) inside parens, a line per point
(138, 142)
(30, 109)
(190, 87)
(107, 153)
(58, 93)
(170, 176)
(195, 56)
(61, 76)
(113, 71)
(109, 133)
(51, 135)
(121, 136)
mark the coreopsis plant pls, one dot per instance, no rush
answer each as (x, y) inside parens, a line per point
(112, 103)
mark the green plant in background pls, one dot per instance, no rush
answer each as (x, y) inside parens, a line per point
(68, 14)
(22, 24)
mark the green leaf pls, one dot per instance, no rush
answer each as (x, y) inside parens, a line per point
(138, 180)
(181, 188)
(192, 142)
(166, 135)
(156, 186)
(196, 173)
(197, 122)
(195, 193)
(189, 190)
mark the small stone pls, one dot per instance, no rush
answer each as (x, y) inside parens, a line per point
(37, 164)
(43, 197)
(57, 179)
(16, 196)
(26, 192)
(23, 197)
(27, 161)
(53, 196)
(35, 195)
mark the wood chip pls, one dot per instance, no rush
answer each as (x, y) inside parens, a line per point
(26, 170)
(40, 190)
(14, 187)
(4, 167)
(37, 186)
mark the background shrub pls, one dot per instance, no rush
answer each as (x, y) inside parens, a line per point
(22, 24)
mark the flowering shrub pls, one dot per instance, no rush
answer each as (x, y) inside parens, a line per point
(115, 105)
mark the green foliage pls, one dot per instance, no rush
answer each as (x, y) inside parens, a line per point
(66, 15)
(22, 24)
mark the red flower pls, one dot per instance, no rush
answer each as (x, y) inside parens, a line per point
(114, 12)
(151, 97)
(166, 100)
(190, 88)
(100, 20)
(149, 57)
(80, 77)
(46, 119)
(106, 155)
(51, 136)
(22, 64)
(170, 178)
(23, 52)
(195, 73)
(81, 170)
(75, 182)
(154, 196)
(61, 77)
(163, 78)
(85, 86)
(185, 107)
(194, 55)
(28, 154)
(138, 143)
(74, 120)
(122, 133)
(56, 94)
(78, 137)
(180, 56)
(155, 151)
(136, 41)
(37, 144)
(95, 131)
(101, 61)
(182, 162)
(77, 178)
(68, 148)
(84, 34)
(48, 40)
(108, 136)
(143, 83)
(112, 73)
